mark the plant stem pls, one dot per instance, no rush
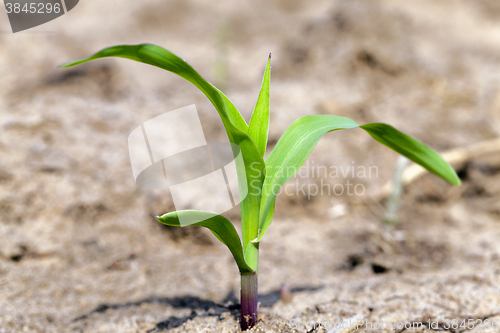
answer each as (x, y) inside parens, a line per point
(250, 213)
(250, 225)
(248, 301)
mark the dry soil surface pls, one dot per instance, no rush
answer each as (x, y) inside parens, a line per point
(80, 250)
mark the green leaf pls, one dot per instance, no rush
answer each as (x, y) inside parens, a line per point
(413, 150)
(259, 123)
(289, 155)
(218, 225)
(157, 56)
(299, 139)
(234, 123)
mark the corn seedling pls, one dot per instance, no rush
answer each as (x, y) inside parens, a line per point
(289, 154)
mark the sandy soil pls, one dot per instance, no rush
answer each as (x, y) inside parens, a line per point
(80, 250)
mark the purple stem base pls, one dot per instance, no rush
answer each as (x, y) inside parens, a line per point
(248, 301)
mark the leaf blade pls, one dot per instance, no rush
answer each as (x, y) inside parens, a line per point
(412, 149)
(291, 151)
(159, 57)
(258, 128)
(299, 139)
(218, 225)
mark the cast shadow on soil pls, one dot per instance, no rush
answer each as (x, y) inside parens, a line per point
(199, 307)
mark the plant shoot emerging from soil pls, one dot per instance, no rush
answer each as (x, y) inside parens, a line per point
(291, 151)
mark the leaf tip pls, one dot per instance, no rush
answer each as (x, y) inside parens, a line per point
(67, 64)
(452, 177)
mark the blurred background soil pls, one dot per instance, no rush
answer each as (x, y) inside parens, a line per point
(80, 250)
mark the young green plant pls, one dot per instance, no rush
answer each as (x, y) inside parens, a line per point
(264, 178)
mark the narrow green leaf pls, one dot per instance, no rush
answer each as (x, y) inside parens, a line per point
(259, 123)
(299, 139)
(289, 155)
(218, 225)
(232, 110)
(157, 56)
(412, 149)
(234, 124)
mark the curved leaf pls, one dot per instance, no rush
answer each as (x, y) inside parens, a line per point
(413, 150)
(218, 225)
(299, 139)
(159, 57)
(259, 123)
(289, 155)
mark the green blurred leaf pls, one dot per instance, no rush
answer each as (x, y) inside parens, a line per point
(218, 225)
(300, 138)
(259, 123)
